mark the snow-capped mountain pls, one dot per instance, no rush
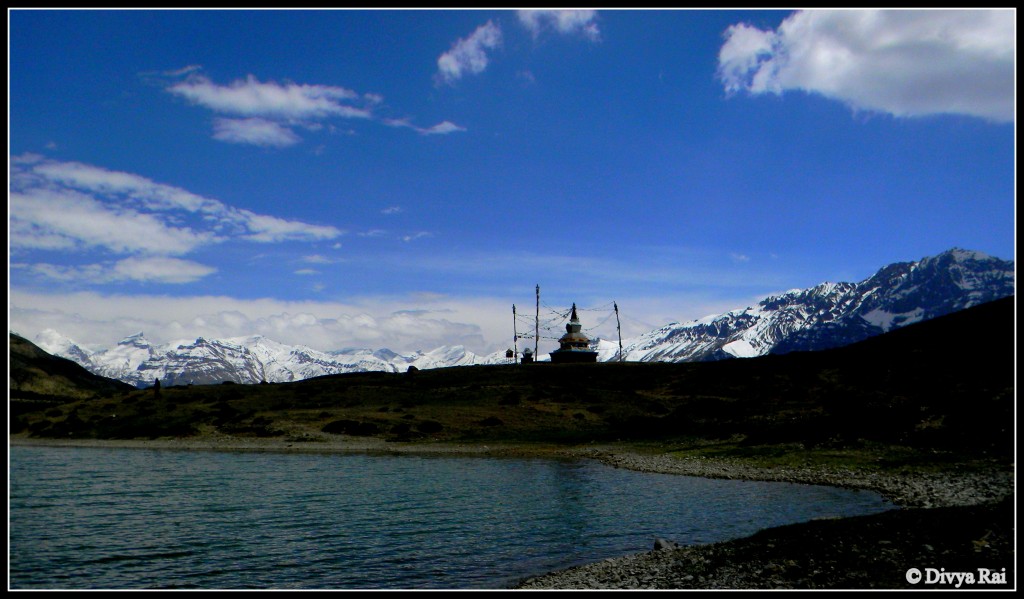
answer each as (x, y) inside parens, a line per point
(827, 315)
(56, 344)
(128, 356)
(834, 314)
(252, 359)
(909, 292)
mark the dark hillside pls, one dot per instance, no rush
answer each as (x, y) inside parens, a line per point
(947, 383)
(33, 371)
(40, 381)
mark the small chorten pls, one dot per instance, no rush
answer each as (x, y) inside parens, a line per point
(574, 346)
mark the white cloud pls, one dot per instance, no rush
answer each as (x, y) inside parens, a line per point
(133, 188)
(255, 131)
(64, 204)
(399, 123)
(57, 272)
(161, 270)
(273, 111)
(415, 236)
(158, 269)
(902, 62)
(567, 22)
(270, 229)
(469, 55)
(66, 219)
(442, 129)
(307, 272)
(68, 206)
(252, 97)
(186, 70)
(391, 210)
(746, 47)
(272, 108)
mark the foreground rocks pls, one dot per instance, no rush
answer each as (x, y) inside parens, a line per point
(865, 552)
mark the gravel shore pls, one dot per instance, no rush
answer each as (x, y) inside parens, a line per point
(968, 528)
(865, 552)
(881, 551)
(905, 490)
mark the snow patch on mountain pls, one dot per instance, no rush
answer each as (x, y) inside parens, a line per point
(56, 344)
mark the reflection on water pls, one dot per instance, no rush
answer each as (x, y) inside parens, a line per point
(85, 518)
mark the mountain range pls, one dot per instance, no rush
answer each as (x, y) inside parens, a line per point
(834, 314)
(821, 317)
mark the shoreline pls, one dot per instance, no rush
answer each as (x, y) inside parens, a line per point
(652, 569)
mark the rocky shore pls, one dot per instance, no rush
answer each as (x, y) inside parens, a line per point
(947, 522)
(899, 549)
(915, 489)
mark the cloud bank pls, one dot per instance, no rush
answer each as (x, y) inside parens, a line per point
(483, 324)
(101, 320)
(907, 63)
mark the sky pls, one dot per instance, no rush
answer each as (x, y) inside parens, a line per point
(403, 178)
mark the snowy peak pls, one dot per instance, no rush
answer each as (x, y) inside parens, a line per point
(834, 314)
(56, 344)
(907, 292)
(136, 340)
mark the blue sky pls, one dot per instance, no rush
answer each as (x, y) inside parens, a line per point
(400, 178)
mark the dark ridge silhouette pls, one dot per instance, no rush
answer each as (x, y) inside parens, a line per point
(39, 381)
(37, 374)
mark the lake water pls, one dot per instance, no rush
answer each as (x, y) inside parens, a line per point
(96, 518)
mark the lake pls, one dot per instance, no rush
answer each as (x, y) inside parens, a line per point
(101, 518)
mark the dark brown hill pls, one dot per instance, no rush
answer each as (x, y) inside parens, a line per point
(38, 380)
(37, 374)
(947, 383)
